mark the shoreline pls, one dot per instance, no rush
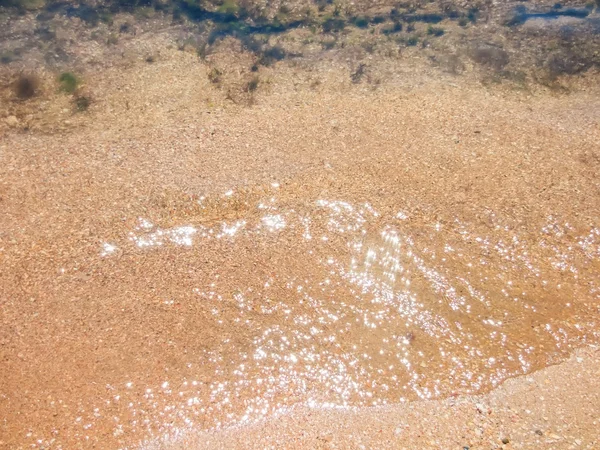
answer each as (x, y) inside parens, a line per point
(566, 415)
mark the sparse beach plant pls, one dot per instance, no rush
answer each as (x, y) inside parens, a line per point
(68, 82)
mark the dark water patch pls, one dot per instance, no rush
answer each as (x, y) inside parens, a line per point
(252, 28)
(57, 6)
(569, 63)
(522, 14)
(86, 13)
(45, 33)
(376, 20)
(333, 25)
(239, 18)
(396, 27)
(360, 22)
(44, 16)
(426, 18)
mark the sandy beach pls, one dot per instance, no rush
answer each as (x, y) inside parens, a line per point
(379, 254)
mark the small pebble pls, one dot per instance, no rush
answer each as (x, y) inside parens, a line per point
(11, 121)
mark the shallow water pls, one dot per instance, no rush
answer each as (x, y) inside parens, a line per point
(334, 304)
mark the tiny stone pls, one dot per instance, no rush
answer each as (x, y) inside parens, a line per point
(11, 121)
(539, 432)
(505, 440)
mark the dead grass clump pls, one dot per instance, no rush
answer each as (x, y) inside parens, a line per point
(26, 86)
(489, 55)
(82, 103)
(271, 55)
(358, 74)
(215, 75)
(253, 84)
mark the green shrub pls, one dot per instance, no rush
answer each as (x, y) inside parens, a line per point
(68, 82)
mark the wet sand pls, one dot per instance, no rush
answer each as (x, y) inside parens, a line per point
(170, 266)
(555, 408)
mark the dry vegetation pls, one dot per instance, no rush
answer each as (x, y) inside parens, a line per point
(54, 55)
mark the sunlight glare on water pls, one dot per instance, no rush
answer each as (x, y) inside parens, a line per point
(373, 311)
